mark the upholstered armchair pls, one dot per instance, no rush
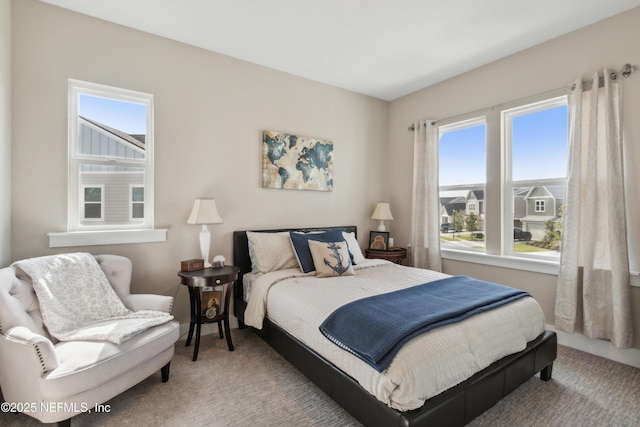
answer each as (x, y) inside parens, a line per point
(60, 379)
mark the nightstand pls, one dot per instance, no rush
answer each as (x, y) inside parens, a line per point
(394, 254)
(208, 288)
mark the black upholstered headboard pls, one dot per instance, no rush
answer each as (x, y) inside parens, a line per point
(241, 258)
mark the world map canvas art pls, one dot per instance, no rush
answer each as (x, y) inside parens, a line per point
(296, 162)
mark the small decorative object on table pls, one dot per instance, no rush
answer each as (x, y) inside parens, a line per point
(192, 265)
(211, 302)
(218, 261)
(379, 240)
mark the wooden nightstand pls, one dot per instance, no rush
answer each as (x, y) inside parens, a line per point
(219, 283)
(394, 254)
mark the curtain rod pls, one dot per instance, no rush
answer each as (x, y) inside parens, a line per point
(626, 71)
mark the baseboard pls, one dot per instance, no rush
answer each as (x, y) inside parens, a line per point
(628, 356)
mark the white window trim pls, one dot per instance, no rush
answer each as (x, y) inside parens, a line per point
(106, 237)
(78, 235)
(514, 262)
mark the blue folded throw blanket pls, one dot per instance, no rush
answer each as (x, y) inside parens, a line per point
(375, 328)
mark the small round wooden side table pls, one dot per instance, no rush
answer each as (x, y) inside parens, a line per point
(219, 279)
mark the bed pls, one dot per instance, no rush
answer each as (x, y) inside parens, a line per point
(348, 383)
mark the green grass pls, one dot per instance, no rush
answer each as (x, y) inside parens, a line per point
(460, 236)
(524, 247)
(517, 247)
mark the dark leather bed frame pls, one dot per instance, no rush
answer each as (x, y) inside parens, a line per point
(454, 407)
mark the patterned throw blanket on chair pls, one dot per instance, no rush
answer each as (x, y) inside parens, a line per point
(77, 301)
(375, 328)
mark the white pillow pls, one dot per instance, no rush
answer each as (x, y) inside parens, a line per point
(331, 259)
(354, 247)
(270, 252)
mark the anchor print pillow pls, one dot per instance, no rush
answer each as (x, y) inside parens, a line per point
(331, 259)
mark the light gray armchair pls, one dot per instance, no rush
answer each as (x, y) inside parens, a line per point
(59, 380)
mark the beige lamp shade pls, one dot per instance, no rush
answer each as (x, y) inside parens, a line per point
(382, 213)
(204, 212)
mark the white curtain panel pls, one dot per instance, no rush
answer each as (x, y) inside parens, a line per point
(593, 293)
(425, 219)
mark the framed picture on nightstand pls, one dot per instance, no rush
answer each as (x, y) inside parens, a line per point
(211, 303)
(379, 240)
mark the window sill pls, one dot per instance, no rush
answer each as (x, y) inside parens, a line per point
(527, 264)
(105, 237)
(516, 263)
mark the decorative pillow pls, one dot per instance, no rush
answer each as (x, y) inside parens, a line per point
(354, 247)
(270, 251)
(300, 243)
(331, 259)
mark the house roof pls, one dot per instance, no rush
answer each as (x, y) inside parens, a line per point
(478, 194)
(447, 200)
(555, 191)
(137, 140)
(450, 207)
(521, 191)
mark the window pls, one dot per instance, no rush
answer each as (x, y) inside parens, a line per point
(93, 205)
(137, 202)
(110, 167)
(536, 137)
(462, 157)
(510, 162)
(111, 146)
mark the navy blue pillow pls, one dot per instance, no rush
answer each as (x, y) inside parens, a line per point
(300, 243)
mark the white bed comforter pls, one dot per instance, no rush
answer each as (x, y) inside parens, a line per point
(424, 367)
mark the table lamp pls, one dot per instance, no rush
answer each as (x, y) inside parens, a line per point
(204, 212)
(382, 213)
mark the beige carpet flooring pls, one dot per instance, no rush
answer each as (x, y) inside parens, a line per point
(254, 386)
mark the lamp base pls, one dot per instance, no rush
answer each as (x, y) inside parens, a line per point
(205, 244)
(381, 226)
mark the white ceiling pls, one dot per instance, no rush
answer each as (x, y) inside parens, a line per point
(382, 48)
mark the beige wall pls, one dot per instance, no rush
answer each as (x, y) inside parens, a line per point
(210, 111)
(552, 65)
(5, 131)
